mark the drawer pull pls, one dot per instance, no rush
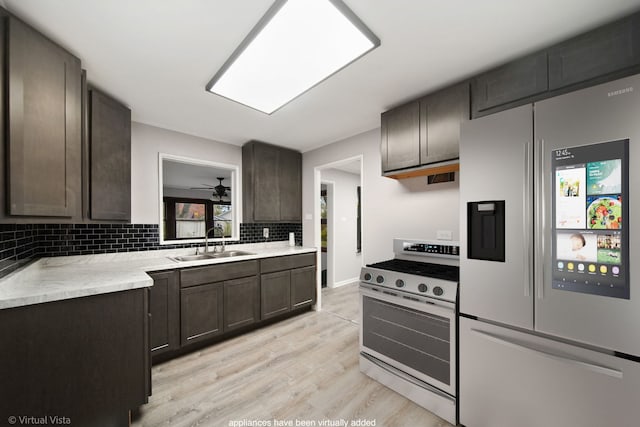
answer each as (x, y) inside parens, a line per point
(545, 353)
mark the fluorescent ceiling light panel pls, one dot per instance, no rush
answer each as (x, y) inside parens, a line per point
(295, 46)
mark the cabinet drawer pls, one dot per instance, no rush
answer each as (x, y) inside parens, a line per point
(288, 262)
(217, 273)
(597, 53)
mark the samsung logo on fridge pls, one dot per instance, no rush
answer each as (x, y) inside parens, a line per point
(620, 91)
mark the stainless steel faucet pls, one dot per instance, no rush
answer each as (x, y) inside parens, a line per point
(206, 242)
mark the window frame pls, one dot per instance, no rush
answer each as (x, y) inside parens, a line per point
(169, 215)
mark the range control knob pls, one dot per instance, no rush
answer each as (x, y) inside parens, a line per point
(400, 283)
(380, 279)
(437, 291)
(422, 287)
(367, 276)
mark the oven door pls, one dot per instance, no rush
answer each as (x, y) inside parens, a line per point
(416, 335)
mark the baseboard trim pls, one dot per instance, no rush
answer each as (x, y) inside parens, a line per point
(344, 282)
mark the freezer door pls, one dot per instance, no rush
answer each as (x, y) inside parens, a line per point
(608, 112)
(510, 378)
(496, 158)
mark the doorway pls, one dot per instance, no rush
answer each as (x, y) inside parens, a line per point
(326, 205)
(338, 225)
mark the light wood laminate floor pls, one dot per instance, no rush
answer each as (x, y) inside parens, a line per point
(301, 369)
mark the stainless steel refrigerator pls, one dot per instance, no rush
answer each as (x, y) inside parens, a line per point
(550, 262)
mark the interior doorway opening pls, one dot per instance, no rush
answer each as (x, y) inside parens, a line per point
(339, 223)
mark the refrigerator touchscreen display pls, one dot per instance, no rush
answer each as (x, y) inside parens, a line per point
(590, 236)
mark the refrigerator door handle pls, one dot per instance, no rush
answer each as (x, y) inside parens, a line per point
(539, 219)
(526, 226)
(615, 373)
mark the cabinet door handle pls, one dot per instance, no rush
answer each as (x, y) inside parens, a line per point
(540, 222)
(526, 226)
(546, 353)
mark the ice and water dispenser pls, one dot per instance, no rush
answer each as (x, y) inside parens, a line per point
(485, 230)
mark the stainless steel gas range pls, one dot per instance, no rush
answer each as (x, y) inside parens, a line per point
(408, 309)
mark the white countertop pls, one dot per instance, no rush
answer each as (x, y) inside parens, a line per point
(59, 278)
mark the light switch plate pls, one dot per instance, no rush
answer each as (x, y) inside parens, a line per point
(444, 235)
(265, 232)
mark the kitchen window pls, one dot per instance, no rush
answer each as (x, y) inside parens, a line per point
(185, 218)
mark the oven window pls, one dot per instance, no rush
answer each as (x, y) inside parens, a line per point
(418, 340)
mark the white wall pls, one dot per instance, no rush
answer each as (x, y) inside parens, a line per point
(347, 262)
(185, 192)
(146, 142)
(390, 208)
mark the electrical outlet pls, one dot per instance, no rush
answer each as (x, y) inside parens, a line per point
(444, 235)
(265, 233)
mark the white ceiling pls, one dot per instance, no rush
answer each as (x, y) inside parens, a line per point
(158, 55)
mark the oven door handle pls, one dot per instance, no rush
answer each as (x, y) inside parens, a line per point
(443, 308)
(405, 376)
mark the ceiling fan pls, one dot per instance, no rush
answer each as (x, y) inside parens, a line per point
(219, 191)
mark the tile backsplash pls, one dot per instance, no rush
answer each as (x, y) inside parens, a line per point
(21, 242)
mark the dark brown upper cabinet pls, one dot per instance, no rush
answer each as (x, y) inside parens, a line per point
(43, 126)
(606, 53)
(512, 82)
(400, 137)
(425, 131)
(605, 50)
(109, 157)
(290, 182)
(271, 183)
(442, 113)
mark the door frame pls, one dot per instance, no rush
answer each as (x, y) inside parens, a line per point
(317, 178)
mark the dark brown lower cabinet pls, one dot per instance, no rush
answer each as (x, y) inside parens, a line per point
(287, 283)
(201, 312)
(208, 303)
(303, 287)
(85, 359)
(275, 293)
(164, 303)
(241, 302)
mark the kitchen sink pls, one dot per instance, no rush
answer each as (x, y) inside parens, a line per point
(190, 257)
(227, 254)
(209, 255)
